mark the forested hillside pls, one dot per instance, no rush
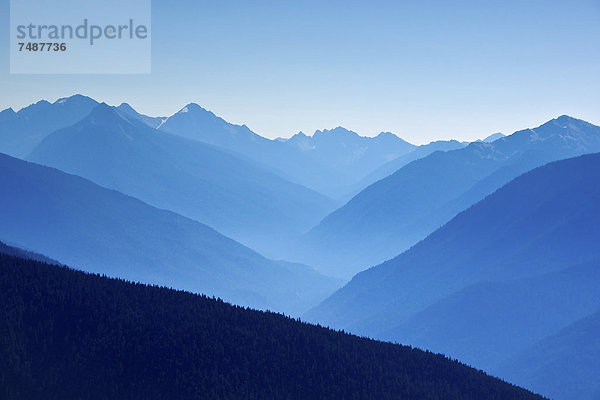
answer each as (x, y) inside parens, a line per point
(70, 335)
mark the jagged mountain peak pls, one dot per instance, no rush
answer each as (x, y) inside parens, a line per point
(565, 122)
(194, 108)
(337, 131)
(568, 118)
(34, 107)
(105, 118)
(7, 114)
(131, 113)
(105, 112)
(126, 106)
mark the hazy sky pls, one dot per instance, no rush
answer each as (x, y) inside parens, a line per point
(423, 70)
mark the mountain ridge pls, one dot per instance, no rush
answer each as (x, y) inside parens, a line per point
(25, 129)
(503, 274)
(67, 332)
(397, 212)
(237, 197)
(74, 221)
(445, 244)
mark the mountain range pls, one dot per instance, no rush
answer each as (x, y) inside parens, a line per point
(485, 251)
(329, 161)
(396, 212)
(79, 223)
(236, 196)
(22, 131)
(394, 165)
(503, 275)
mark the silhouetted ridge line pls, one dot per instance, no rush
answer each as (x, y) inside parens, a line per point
(67, 334)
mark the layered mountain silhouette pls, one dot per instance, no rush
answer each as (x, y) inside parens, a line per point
(499, 277)
(491, 247)
(330, 161)
(21, 132)
(236, 196)
(395, 213)
(78, 223)
(67, 335)
(25, 254)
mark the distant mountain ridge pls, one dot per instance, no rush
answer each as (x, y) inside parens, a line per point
(395, 213)
(390, 167)
(327, 162)
(536, 215)
(79, 223)
(22, 131)
(197, 123)
(153, 122)
(332, 162)
(498, 278)
(237, 197)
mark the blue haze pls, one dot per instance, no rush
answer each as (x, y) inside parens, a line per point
(88, 227)
(238, 197)
(396, 212)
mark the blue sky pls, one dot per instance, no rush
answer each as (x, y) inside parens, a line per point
(423, 70)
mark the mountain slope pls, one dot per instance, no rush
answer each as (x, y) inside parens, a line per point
(390, 167)
(25, 254)
(488, 322)
(235, 196)
(564, 365)
(21, 132)
(153, 122)
(197, 123)
(541, 222)
(493, 137)
(79, 223)
(341, 158)
(330, 161)
(66, 334)
(395, 213)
